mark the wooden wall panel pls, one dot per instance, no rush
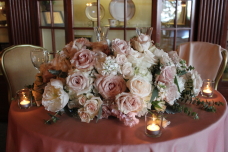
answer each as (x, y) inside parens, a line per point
(211, 21)
(23, 22)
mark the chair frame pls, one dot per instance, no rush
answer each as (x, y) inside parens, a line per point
(2, 66)
(222, 66)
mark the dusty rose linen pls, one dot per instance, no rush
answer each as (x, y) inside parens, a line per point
(205, 57)
(28, 133)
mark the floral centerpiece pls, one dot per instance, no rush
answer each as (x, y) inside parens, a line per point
(124, 80)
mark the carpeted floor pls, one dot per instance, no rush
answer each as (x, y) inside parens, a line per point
(3, 132)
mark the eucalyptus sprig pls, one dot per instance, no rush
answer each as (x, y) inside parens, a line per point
(53, 118)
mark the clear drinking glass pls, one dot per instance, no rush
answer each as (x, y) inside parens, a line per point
(38, 57)
(144, 30)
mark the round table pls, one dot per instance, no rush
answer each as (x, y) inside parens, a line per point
(27, 133)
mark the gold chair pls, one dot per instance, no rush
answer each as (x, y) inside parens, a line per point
(209, 59)
(17, 67)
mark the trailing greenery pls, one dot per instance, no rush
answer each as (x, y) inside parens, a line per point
(53, 118)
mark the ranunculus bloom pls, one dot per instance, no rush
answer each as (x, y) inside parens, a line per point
(84, 115)
(128, 102)
(83, 60)
(46, 75)
(167, 74)
(120, 47)
(128, 119)
(54, 97)
(109, 86)
(79, 82)
(139, 86)
(172, 93)
(60, 62)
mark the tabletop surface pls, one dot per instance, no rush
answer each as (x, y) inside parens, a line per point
(111, 132)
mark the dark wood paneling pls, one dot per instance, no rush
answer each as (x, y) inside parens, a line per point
(23, 22)
(211, 21)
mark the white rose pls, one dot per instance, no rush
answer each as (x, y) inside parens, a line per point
(139, 86)
(135, 57)
(181, 83)
(197, 82)
(127, 70)
(143, 71)
(121, 59)
(54, 97)
(149, 57)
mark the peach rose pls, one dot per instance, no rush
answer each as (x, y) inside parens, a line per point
(84, 115)
(139, 86)
(128, 102)
(143, 42)
(83, 60)
(60, 62)
(79, 82)
(109, 86)
(92, 106)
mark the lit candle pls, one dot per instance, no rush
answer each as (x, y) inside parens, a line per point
(153, 129)
(207, 91)
(24, 103)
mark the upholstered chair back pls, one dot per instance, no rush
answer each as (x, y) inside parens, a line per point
(17, 67)
(208, 59)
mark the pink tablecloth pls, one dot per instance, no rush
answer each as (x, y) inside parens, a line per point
(28, 133)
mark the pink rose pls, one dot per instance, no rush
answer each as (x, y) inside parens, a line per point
(128, 102)
(167, 74)
(79, 82)
(83, 60)
(120, 47)
(121, 59)
(84, 116)
(172, 93)
(109, 86)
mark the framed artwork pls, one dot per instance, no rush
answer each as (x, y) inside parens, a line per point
(57, 18)
(89, 37)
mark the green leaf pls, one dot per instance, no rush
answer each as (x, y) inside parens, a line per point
(154, 94)
(176, 82)
(54, 72)
(99, 113)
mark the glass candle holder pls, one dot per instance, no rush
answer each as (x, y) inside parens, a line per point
(207, 88)
(153, 123)
(24, 98)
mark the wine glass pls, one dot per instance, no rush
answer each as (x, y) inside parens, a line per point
(38, 57)
(144, 30)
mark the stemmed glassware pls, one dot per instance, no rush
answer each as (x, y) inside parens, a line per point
(144, 30)
(101, 33)
(38, 57)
